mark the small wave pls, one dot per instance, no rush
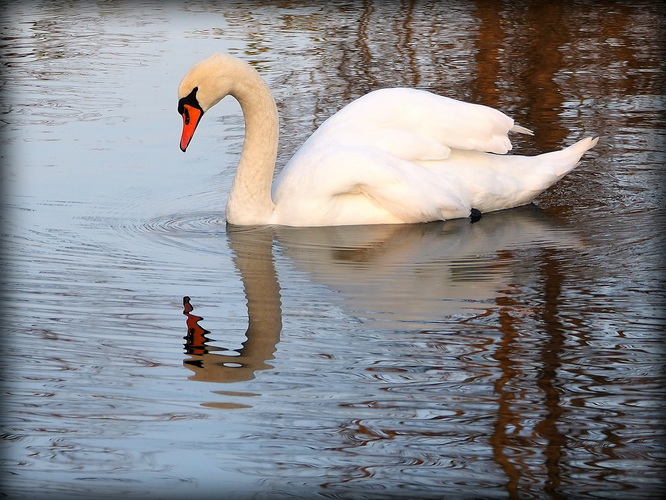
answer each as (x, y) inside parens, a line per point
(181, 230)
(201, 224)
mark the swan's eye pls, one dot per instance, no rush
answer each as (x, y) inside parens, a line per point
(189, 99)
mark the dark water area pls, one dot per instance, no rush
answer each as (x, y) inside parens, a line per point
(151, 352)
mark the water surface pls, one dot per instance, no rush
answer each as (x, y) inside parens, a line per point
(517, 357)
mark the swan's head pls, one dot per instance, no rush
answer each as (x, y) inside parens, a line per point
(202, 87)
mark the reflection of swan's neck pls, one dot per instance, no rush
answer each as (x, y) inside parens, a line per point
(250, 200)
(254, 260)
(253, 257)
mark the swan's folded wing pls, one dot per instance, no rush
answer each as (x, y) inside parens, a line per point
(406, 145)
(418, 125)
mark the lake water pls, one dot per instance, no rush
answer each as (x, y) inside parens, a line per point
(149, 352)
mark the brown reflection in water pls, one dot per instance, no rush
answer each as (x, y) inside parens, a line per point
(507, 387)
(407, 42)
(543, 60)
(365, 20)
(506, 417)
(489, 43)
(254, 261)
(550, 362)
(521, 378)
(513, 50)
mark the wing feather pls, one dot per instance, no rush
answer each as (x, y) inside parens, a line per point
(418, 125)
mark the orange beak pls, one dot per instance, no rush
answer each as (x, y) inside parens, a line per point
(191, 118)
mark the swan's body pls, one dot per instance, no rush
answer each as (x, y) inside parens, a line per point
(392, 156)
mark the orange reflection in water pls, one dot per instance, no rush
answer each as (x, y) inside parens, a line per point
(195, 340)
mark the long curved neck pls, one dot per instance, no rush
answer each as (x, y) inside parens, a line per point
(250, 200)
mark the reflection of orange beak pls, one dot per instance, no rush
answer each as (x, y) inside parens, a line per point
(191, 117)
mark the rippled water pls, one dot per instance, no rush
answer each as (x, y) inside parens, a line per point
(150, 352)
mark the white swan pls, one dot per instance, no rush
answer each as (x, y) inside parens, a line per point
(392, 156)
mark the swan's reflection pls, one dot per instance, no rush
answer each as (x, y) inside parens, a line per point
(415, 273)
(254, 260)
(420, 273)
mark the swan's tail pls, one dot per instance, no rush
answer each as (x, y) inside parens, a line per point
(517, 180)
(565, 160)
(542, 171)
